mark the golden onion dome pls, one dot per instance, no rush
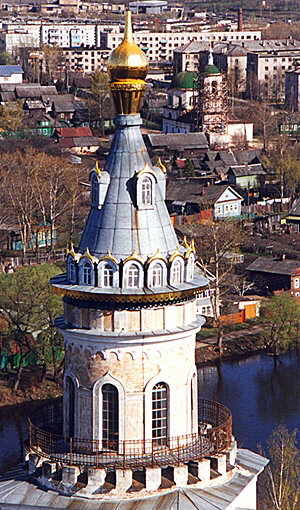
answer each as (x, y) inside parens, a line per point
(128, 61)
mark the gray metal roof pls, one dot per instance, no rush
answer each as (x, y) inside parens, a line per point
(119, 227)
(178, 140)
(18, 492)
(274, 266)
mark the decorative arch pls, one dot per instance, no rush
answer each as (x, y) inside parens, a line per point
(145, 190)
(162, 377)
(157, 273)
(86, 272)
(192, 400)
(177, 271)
(97, 407)
(133, 274)
(70, 404)
(108, 274)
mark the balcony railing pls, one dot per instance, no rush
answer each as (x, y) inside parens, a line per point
(214, 436)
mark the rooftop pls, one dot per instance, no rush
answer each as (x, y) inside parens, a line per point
(274, 266)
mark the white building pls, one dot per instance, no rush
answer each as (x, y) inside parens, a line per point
(11, 40)
(161, 45)
(69, 35)
(11, 74)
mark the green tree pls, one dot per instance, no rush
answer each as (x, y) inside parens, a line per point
(11, 116)
(279, 486)
(281, 320)
(29, 307)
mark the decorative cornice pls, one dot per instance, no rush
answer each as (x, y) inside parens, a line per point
(109, 256)
(87, 255)
(174, 254)
(97, 168)
(146, 170)
(157, 256)
(161, 165)
(134, 256)
(130, 300)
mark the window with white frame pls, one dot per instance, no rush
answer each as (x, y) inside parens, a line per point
(176, 272)
(108, 276)
(160, 413)
(87, 273)
(133, 276)
(72, 271)
(157, 276)
(146, 191)
(297, 283)
(190, 268)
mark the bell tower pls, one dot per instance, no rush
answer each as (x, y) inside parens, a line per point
(131, 421)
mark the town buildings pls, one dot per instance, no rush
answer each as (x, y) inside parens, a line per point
(129, 428)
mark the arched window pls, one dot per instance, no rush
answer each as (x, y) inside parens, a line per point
(157, 276)
(160, 410)
(72, 270)
(87, 273)
(133, 276)
(190, 268)
(110, 417)
(214, 87)
(176, 272)
(146, 191)
(108, 276)
(70, 391)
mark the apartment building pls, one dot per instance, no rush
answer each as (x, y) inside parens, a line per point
(86, 60)
(68, 34)
(161, 45)
(267, 64)
(11, 40)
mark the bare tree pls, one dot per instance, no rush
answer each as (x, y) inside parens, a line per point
(216, 243)
(279, 486)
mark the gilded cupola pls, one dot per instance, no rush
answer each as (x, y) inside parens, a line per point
(128, 68)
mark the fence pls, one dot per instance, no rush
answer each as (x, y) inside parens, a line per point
(214, 435)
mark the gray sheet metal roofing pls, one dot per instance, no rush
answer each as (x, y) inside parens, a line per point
(274, 266)
(19, 493)
(119, 227)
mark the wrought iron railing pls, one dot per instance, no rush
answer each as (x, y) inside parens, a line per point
(214, 436)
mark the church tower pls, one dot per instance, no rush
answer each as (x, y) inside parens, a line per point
(212, 99)
(131, 423)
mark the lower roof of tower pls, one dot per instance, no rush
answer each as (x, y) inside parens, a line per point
(167, 294)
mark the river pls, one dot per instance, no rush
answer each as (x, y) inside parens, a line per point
(259, 396)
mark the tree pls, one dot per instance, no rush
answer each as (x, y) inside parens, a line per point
(52, 60)
(241, 285)
(281, 319)
(263, 117)
(284, 161)
(11, 116)
(27, 304)
(6, 58)
(279, 486)
(38, 188)
(216, 243)
(101, 96)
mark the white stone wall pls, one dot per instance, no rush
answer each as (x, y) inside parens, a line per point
(134, 364)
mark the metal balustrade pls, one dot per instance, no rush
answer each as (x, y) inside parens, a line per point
(214, 436)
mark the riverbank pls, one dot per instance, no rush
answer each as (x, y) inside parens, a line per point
(236, 345)
(46, 390)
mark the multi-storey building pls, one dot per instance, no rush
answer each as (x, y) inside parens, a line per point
(161, 45)
(13, 39)
(69, 35)
(267, 63)
(292, 89)
(87, 60)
